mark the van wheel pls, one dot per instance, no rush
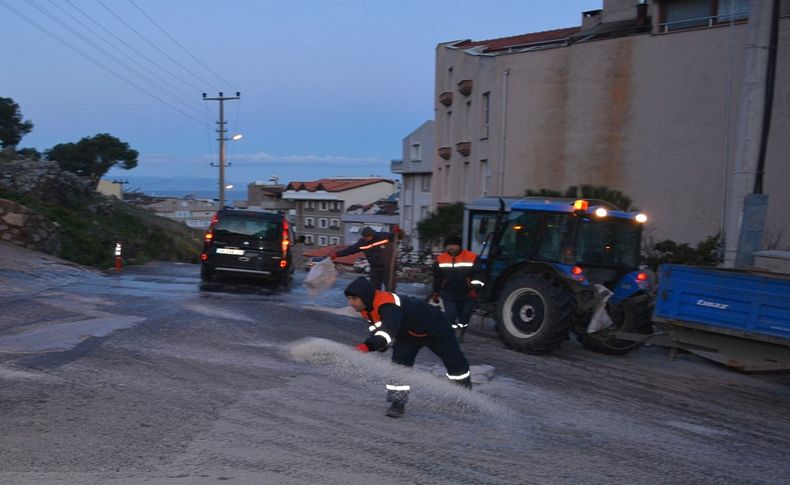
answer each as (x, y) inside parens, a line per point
(534, 313)
(207, 273)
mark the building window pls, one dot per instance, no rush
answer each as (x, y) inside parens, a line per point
(486, 113)
(335, 206)
(309, 222)
(308, 239)
(310, 205)
(335, 223)
(485, 173)
(423, 212)
(322, 240)
(415, 152)
(692, 14)
(426, 183)
(183, 214)
(354, 229)
(323, 223)
(334, 240)
(323, 206)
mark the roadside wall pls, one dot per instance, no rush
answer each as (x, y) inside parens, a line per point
(27, 228)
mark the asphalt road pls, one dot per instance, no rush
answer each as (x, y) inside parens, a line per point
(146, 376)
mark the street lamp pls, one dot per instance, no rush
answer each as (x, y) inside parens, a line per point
(222, 139)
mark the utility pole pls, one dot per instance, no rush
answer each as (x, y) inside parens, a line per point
(746, 206)
(222, 139)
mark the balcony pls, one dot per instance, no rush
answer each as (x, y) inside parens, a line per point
(446, 98)
(445, 152)
(464, 148)
(465, 87)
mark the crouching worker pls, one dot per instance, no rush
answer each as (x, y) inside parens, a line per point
(406, 324)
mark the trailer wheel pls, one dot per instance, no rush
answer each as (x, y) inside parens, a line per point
(534, 313)
(632, 316)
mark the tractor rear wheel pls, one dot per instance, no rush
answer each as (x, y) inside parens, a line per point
(632, 316)
(534, 313)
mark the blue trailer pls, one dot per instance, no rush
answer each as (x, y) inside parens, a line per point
(740, 318)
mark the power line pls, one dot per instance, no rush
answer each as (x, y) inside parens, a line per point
(175, 94)
(92, 60)
(132, 48)
(179, 45)
(154, 45)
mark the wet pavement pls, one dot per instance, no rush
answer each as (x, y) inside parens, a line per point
(149, 376)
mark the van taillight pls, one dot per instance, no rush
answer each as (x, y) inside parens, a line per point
(203, 256)
(209, 235)
(641, 276)
(285, 242)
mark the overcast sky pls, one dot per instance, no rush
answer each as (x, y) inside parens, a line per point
(327, 87)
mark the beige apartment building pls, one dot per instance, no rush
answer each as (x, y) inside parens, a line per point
(643, 97)
(320, 205)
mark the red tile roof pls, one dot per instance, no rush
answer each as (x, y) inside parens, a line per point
(523, 40)
(334, 184)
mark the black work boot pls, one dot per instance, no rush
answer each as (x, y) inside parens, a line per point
(398, 406)
(467, 383)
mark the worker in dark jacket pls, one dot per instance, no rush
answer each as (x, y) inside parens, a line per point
(406, 324)
(453, 273)
(378, 251)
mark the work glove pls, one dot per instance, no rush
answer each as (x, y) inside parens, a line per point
(376, 342)
(435, 297)
(362, 347)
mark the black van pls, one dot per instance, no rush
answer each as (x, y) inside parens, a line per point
(248, 243)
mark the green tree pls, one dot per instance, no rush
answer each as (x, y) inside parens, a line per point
(622, 201)
(447, 220)
(12, 128)
(29, 153)
(93, 157)
(706, 253)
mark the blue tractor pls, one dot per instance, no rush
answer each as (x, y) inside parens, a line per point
(547, 265)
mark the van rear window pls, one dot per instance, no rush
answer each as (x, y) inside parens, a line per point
(248, 226)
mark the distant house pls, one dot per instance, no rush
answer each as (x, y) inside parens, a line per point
(321, 203)
(110, 187)
(267, 196)
(381, 215)
(191, 211)
(415, 169)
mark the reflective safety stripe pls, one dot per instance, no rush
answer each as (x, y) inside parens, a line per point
(397, 299)
(377, 243)
(382, 333)
(392, 387)
(374, 326)
(458, 378)
(456, 265)
(478, 282)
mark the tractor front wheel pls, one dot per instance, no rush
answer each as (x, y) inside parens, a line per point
(534, 313)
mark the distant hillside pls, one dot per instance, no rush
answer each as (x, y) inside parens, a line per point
(61, 214)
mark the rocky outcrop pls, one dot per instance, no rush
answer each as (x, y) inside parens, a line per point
(25, 227)
(43, 180)
(40, 180)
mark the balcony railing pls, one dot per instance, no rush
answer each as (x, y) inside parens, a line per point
(446, 98)
(464, 148)
(445, 152)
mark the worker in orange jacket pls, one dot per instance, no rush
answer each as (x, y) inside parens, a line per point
(453, 273)
(406, 324)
